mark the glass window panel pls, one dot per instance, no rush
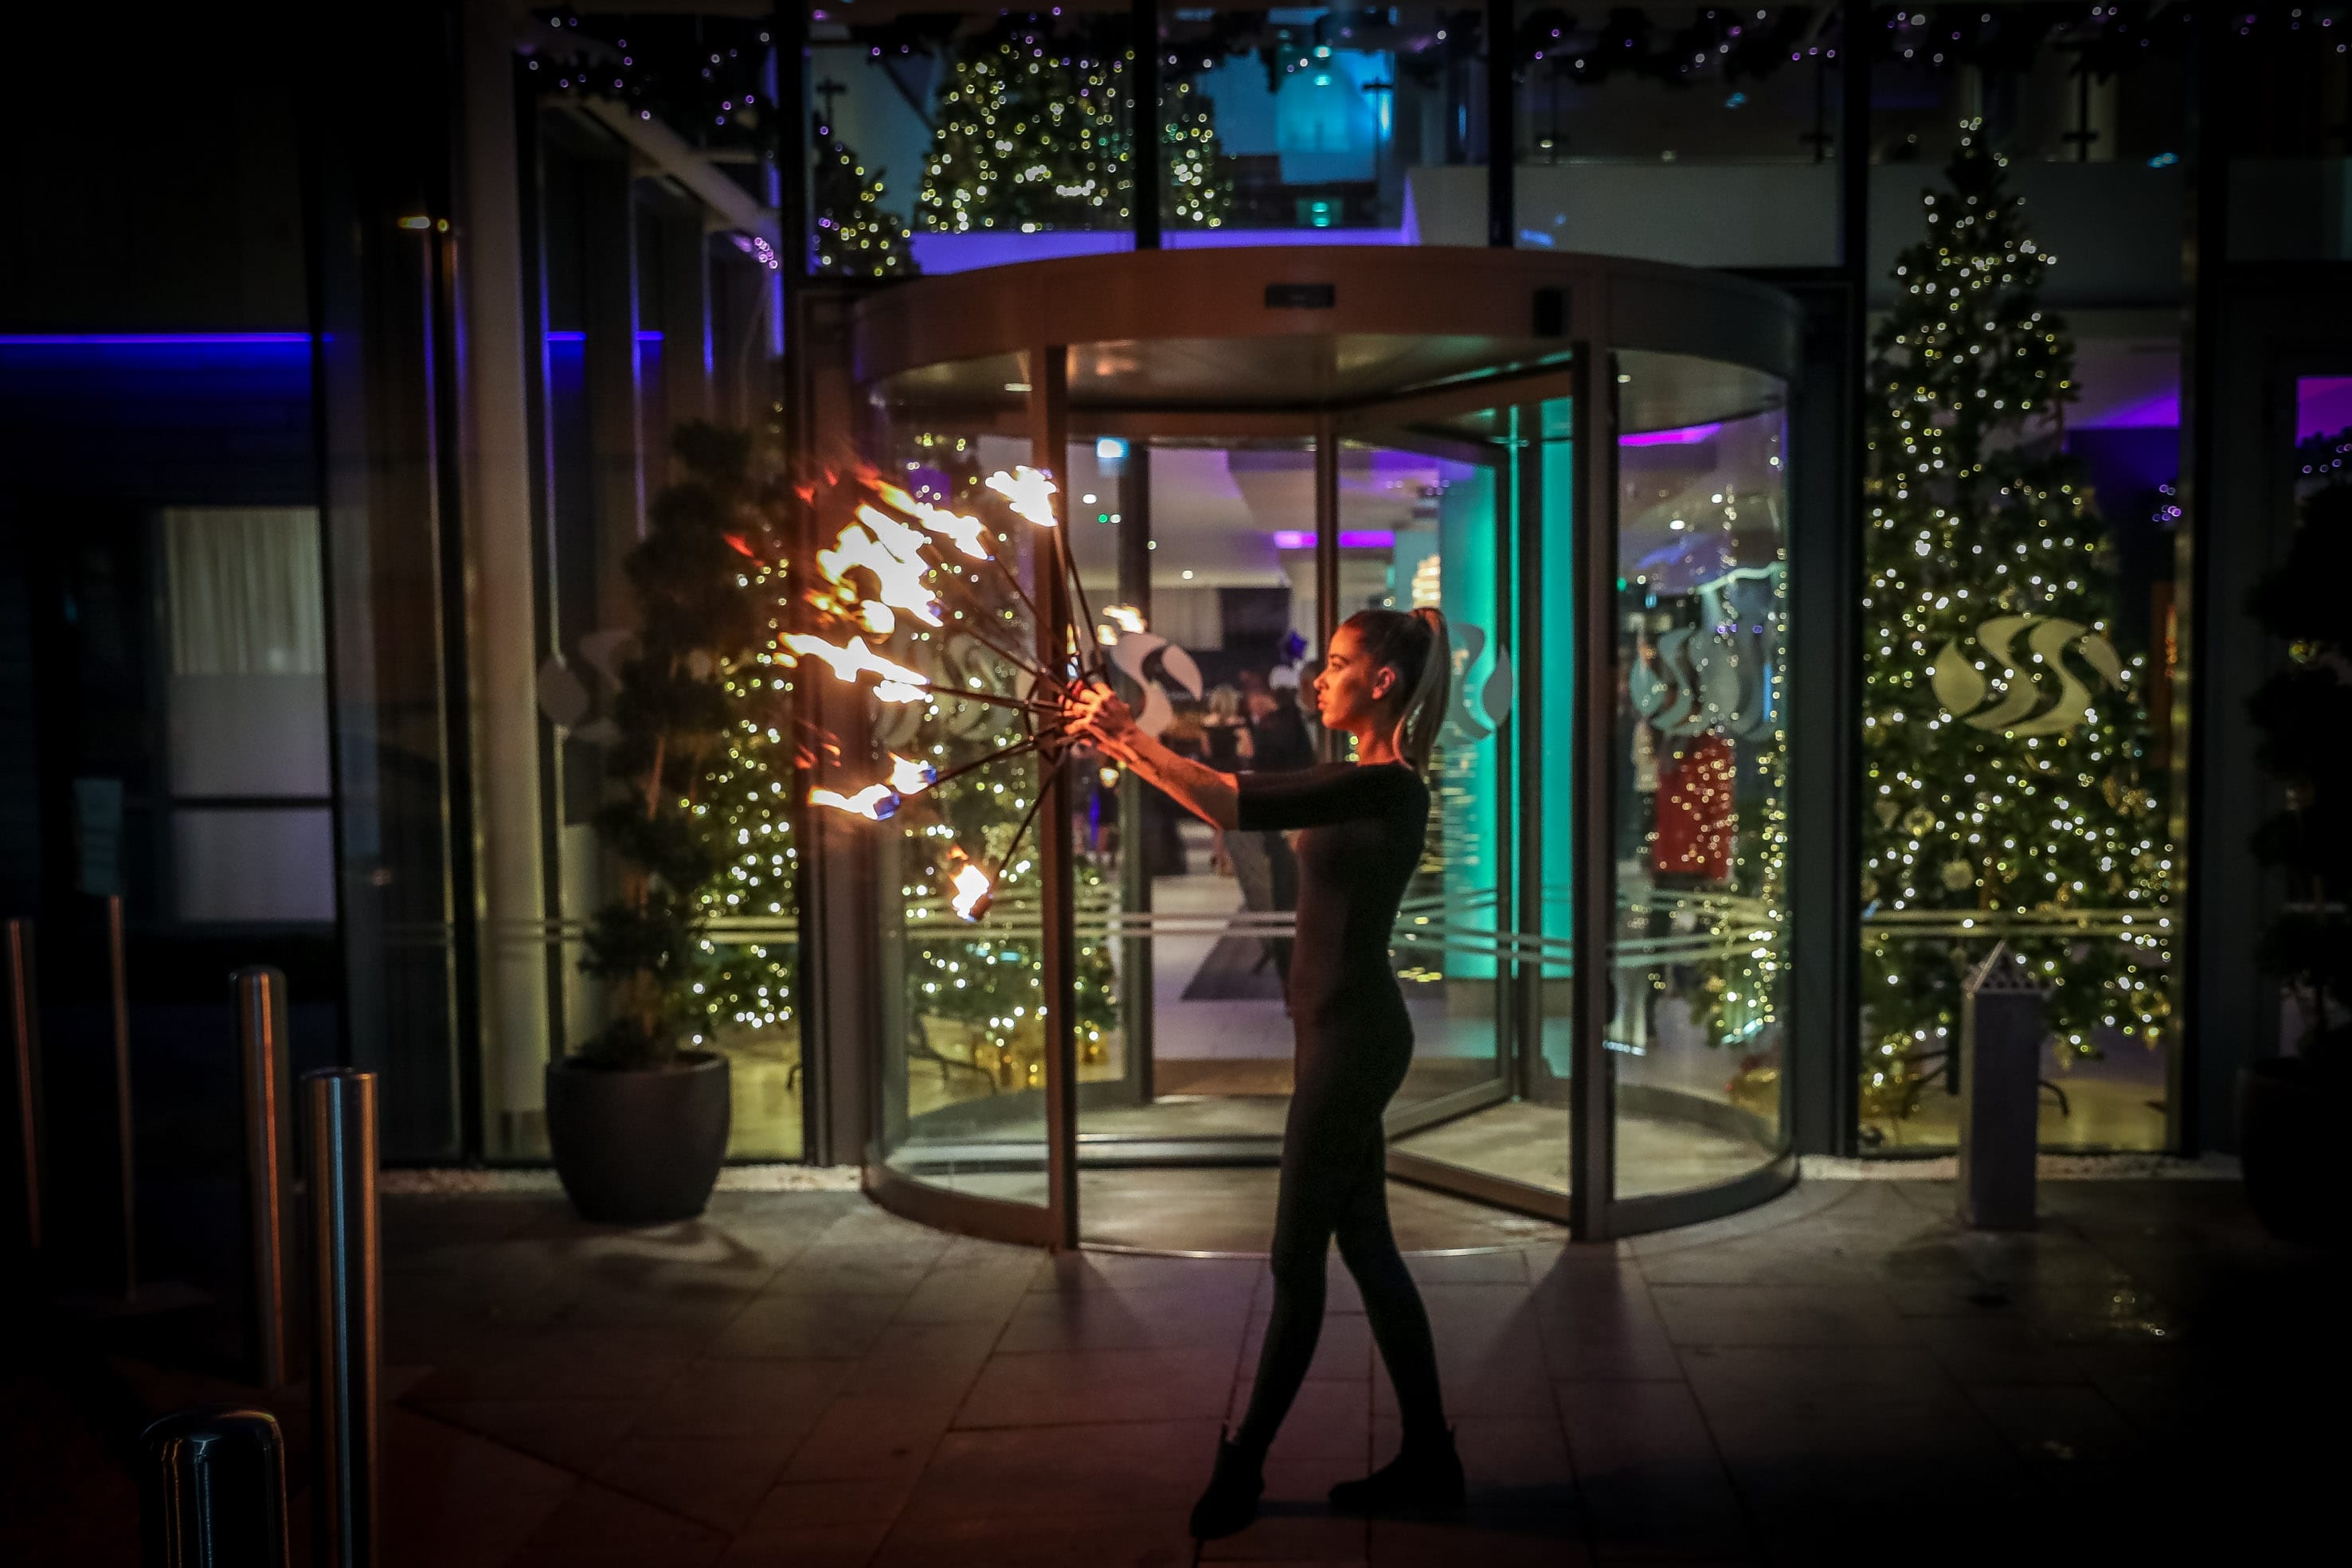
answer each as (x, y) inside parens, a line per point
(1279, 124)
(230, 866)
(944, 142)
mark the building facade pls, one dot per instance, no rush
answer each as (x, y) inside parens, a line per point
(327, 453)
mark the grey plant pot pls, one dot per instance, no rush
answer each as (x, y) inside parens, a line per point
(638, 1148)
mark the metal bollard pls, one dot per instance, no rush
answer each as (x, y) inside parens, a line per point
(262, 1053)
(25, 1033)
(347, 1352)
(214, 1491)
(120, 985)
(2001, 1031)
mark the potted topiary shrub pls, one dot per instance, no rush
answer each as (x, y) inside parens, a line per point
(2288, 1105)
(637, 1118)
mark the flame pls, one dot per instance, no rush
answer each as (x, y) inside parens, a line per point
(1028, 491)
(909, 777)
(901, 579)
(1125, 617)
(899, 683)
(876, 802)
(736, 540)
(973, 892)
(900, 541)
(876, 618)
(967, 532)
(1106, 637)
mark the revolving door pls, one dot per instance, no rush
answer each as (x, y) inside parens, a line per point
(1582, 462)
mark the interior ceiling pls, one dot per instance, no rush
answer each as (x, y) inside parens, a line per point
(1656, 392)
(1216, 510)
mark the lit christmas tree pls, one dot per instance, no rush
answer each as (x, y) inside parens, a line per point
(700, 819)
(1032, 135)
(2007, 788)
(856, 236)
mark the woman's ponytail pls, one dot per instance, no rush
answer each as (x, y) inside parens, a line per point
(1425, 701)
(1417, 647)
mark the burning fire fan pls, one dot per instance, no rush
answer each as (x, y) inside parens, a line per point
(904, 558)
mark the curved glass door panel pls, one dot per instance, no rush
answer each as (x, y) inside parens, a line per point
(1485, 1102)
(1698, 746)
(963, 1044)
(1208, 547)
(1425, 521)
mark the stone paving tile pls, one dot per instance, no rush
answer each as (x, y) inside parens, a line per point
(462, 1500)
(1468, 1268)
(1123, 1539)
(1327, 1420)
(1343, 1346)
(1779, 1315)
(2058, 1428)
(1996, 1348)
(745, 1398)
(1068, 1386)
(1115, 1468)
(1648, 1474)
(919, 1359)
(866, 1436)
(823, 1325)
(1132, 1270)
(576, 1433)
(718, 1480)
(593, 1526)
(1212, 1311)
(1294, 1522)
(954, 1298)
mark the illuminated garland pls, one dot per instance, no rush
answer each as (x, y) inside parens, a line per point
(1981, 547)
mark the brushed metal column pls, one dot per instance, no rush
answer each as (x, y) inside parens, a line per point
(347, 1357)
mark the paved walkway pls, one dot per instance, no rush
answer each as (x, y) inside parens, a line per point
(1842, 1375)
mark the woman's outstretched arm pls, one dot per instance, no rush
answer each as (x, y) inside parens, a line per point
(1096, 712)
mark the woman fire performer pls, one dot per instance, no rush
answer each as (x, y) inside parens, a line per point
(1385, 683)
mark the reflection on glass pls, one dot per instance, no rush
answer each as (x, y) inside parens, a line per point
(963, 1057)
(1291, 120)
(1697, 963)
(994, 138)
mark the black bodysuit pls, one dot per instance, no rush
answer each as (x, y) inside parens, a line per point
(1364, 828)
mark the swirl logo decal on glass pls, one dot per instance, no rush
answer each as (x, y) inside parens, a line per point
(1152, 663)
(1720, 676)
(2026, 706)
(1480, 715)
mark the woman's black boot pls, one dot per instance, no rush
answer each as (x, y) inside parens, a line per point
(1230, 1501)
(1425, 1477)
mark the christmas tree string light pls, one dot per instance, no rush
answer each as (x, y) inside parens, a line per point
(2008, 790)
(1034, 133)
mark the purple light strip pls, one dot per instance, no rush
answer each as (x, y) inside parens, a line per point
(141, 339)
(1688, 435)
(1349, 539)
(583, 336)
